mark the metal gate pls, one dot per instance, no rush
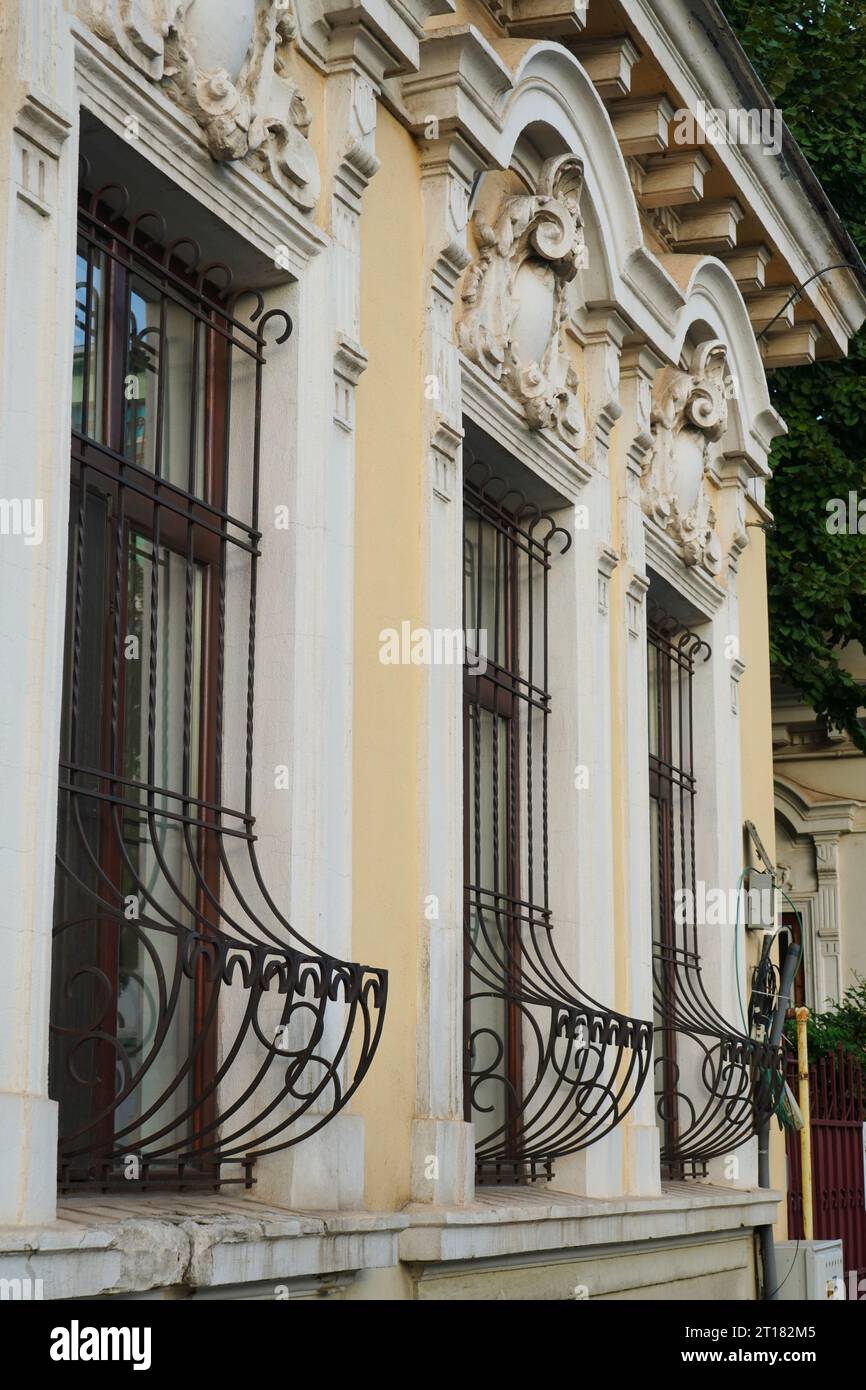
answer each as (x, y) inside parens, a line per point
(837, 1097)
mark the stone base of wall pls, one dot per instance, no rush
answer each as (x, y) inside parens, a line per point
(695, 1241)
(703, 1267)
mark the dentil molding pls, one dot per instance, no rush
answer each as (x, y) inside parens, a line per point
(537, 19)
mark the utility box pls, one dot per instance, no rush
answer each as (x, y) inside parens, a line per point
(760, 902)
(811, 1271)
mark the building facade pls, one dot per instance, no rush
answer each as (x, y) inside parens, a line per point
(820, 791)
(385, 429)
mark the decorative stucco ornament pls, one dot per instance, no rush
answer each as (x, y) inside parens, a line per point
(225, 64)
(689, 412)
(514, 297)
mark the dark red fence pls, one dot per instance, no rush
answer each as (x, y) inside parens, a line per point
(837, 1097)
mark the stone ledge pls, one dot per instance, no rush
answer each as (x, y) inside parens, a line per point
(515, 1221)
(103, 1245)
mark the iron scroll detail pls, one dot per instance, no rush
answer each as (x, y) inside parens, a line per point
(548, 1070)
(715, 1084)
(193, 1029)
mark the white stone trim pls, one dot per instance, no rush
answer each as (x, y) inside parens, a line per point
(693, 583)
(499, 1226)
(439, 1132)
(635, 594)
(113, 90)
(37, 240)
(118, 1246)
(608, 560)
(398, 24)
(738, 670)
(630, 822)
(542, 451)
(821, 823)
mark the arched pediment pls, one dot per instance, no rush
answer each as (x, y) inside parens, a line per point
(556, 238)
(514, 112)
(554, 108)
(714, 304)
(808, 812)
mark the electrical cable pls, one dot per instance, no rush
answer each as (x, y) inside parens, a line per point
(799, 967)
(746, 1026)
(737, 949)
(841, 265)
(767, 1297)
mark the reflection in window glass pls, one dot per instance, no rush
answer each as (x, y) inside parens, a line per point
(490, 918)
(183, 340)
(88, 353)
(485, 587)
(158, 872)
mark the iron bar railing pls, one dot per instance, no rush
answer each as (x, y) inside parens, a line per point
(192, 1026)
(715, 1084)
(548, 1070)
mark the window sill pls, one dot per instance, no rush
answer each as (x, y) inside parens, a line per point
(514, 1221)
(224, 1247)
(175, 1247)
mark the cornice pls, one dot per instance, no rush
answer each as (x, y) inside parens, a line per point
(460, 85)
(394, 31)
(485, 402)
(662, 556)
(700, 56)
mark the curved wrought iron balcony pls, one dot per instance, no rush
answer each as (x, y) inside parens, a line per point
(185, 1040)
(548, 1069)
(192, 1027)
(715, 1085)
(719, 1084)
(581, 1065)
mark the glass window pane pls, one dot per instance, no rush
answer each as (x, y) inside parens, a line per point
(491, 923)
(485, 592)
(88, 353)
(159, 851)
(183, 349)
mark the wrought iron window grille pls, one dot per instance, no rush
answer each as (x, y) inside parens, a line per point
(715, 1084)
(548, 1070)
(193, 1030)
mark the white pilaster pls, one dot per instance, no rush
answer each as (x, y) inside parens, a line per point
(827, 921)
(328, 1171)
(637, 369)
(447, 170)
(37, 275)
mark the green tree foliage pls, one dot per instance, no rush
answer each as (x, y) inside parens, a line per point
(812, 58)
(842, 1026)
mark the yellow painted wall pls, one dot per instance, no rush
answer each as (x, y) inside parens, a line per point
(387, 894)
(756, 747)
(756, 754)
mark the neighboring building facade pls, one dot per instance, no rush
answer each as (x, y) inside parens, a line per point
(384, 438)
(820, 784)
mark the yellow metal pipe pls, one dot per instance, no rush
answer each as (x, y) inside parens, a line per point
(802, 1016)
